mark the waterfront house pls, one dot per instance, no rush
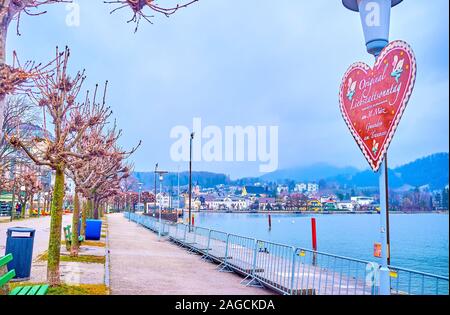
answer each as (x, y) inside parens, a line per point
(282, 189)
(363, 200)
(329, 204)
(313, 187)
(266, 203)
(301, 187)
(314, 205)
(227, 203)
(346, 205)
(163, 200)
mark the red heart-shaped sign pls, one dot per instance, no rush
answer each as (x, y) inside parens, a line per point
(372, 101)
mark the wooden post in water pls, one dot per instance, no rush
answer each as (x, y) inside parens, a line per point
(314, 239)
(270, 222)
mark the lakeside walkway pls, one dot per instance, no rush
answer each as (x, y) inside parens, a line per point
(41, 236)
(142, 265)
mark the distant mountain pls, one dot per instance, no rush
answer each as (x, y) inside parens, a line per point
(204, 179)
(313, 172)
(431, 171)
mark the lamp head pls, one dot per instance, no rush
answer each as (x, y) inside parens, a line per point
(375, 18)
(353, 4)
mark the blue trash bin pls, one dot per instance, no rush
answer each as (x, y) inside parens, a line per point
(93, 229)
(19, 243)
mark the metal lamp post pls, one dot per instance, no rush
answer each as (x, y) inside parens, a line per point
(154, 208)
(161, 178)
(375, 19)
(190, 180)
(160, 205)
(139, 196)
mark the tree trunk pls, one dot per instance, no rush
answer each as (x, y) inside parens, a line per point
(95, 206)
(83, 218)
(101, 209)
(75, 245)
(54, 246)
(23, 204)
(90, 208)
(31, 205)
(3, 33)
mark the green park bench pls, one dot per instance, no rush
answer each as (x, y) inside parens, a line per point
(40, 289)
(68, 237)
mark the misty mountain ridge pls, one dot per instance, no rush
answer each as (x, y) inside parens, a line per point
(431, 171)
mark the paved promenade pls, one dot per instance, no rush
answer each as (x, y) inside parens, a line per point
(71, 272)
(41, 236)
(141, 265)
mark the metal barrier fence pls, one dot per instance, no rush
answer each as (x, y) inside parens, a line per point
(409, 282)
(290, 270)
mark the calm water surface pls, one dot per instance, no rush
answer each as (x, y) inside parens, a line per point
(418, 241)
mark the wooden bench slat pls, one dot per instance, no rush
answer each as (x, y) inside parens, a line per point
(6, 277)
(34, 289)
(15, 291)
(5, 259)
(43, 289)
(24, 290)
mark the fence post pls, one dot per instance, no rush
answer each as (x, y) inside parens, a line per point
(254, 257)
(226, 249)
(294, 253)
(209, 243)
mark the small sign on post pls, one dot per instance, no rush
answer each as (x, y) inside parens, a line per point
(377, 250)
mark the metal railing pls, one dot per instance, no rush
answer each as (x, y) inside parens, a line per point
(292, 270)
(410, 282)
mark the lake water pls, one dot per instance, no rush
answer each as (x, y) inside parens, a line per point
(418, 241)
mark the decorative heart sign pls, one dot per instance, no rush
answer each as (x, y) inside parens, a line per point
(372, 100)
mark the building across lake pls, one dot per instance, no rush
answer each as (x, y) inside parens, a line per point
(292, 197)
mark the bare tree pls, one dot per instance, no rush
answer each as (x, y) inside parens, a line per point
(28, 185)
(56, 93)
(20, 117)
(98, 178)
(11, 10)
(138, 6)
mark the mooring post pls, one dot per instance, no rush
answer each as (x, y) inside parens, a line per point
(314, 239)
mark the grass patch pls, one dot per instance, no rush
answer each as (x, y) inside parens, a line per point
(82, 289)
(93, 243)
(81, 259)
(88, 243)
(66, 289)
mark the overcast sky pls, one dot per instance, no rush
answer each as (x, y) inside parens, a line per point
(252, 62)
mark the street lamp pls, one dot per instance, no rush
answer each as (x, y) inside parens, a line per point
(139, 195)
(190, 179)
(375, 19)
(154, 208)
(160, 205)
(161, 178)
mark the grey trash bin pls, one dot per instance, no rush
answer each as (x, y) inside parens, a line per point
(19, 243)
